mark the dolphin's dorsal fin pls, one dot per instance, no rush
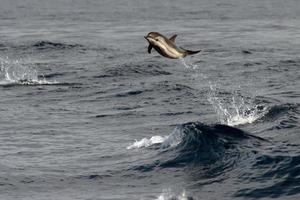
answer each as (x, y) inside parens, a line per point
(149, 48)
(173, 38)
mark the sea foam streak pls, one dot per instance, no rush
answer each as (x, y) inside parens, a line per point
(15, 72)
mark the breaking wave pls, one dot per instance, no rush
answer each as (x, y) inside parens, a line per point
(198, 144)
(147, 142)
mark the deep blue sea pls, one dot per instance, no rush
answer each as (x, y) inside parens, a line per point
(87, 114)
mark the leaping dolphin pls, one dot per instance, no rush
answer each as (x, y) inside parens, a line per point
(166, 47)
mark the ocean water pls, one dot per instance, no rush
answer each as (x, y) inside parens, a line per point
(86, 113)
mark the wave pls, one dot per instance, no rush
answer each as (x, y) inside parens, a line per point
(198, 144)
(282, 116)
(278, 110)
(44, 45)
(147, 142)
(129, 93)
(217, 151)
(2, 47)
(279, 175)
(13, 72)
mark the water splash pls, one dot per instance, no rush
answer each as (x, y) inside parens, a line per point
(233, 109)
(15, 72)
(236, 109)
(187, 64)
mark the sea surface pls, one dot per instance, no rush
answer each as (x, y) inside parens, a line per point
(87, 114)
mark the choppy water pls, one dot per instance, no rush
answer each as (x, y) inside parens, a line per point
(87, 113)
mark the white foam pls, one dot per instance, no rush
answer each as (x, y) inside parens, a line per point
(147, 142)
(168, 195)
(168, 141)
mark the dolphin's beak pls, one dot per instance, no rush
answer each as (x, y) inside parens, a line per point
(147, 38)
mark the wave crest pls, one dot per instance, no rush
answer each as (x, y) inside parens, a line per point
(199, 144)
(147, 142)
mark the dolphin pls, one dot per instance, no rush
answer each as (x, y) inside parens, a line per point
(166, 47)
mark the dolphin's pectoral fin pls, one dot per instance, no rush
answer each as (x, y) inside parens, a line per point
(173, 38)
(149, 48)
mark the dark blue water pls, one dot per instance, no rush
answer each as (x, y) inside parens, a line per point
(87, 113)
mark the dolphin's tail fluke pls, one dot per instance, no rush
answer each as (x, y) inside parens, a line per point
(189, 52)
